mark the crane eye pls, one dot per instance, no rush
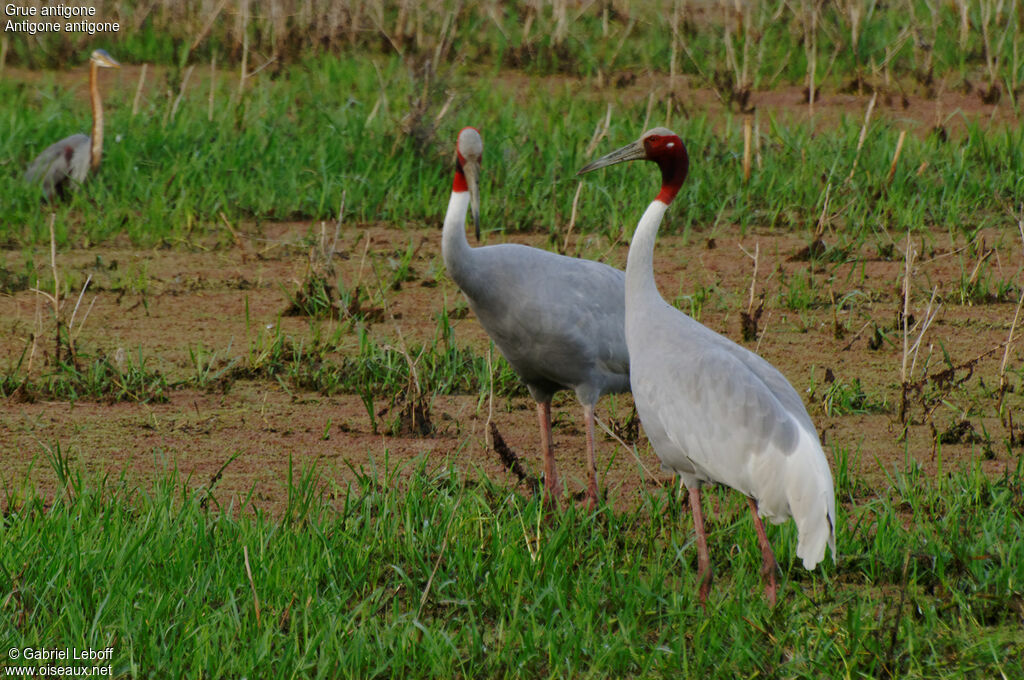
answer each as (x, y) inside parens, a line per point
(670, 145)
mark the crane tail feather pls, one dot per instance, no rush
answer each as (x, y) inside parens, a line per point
(812, 501)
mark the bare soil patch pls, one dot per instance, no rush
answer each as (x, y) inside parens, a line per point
(825, 322)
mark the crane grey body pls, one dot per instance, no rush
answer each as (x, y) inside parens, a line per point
(65, 164)
(714, 411)
(559, 321)
(61, 164)
(555, 319)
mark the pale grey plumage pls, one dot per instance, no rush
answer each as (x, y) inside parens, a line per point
(556, 319)
(714, 411)
(559, 321)
(61, 162)
(65, 164)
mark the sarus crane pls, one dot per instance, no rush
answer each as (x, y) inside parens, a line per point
(66, 163)
(714, 411)
(559, 321)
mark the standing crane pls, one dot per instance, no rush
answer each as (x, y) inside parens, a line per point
(559, 321)
(66, 163)
(716, 412)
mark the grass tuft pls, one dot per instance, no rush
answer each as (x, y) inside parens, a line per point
(423, 571)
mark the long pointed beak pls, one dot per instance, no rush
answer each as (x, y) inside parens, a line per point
(631, 152)
(471, 169)
(105, 60)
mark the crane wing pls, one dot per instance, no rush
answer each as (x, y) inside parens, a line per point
(713, 412)
(68, 158)
(560, 321)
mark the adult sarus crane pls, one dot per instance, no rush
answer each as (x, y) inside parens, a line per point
(559, 321)
(716, 412)
(65, 163)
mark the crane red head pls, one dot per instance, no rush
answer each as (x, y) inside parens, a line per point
(469, 148)
(659, 145)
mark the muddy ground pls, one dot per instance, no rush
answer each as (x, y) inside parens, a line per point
(818, 326)
(827, 321)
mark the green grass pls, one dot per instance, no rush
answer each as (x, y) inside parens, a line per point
(432, 574)
(291, 147)
(434, 571)
(378, 369)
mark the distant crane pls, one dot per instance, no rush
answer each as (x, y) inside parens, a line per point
(559, 321)
(67, 162)
(714, 411)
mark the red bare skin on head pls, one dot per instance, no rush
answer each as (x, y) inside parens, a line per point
(459, 183)
(68, 153)
(669, 152)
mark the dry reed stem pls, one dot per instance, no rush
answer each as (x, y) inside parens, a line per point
(1013, 326)
(138, 90)
(213, 83)
(819, 228)
(444, 107)
(245, 46)
(757, 143)
(965, 24)
(747, 148)
(532, 542)
(572, 217)
(908, 258)
(893, 49)
(811, 50)
(753, 277)
(445, 38)
(1009, 344)
(492, 14)
(622, 41)
(181, 90)
(631, 449)
(362, 260)
(74, 312)
(650, 108)
(896, 156)
(674, 53)
(55, 298)
(35, 337)
(252, 584)
(382, 99)
(929, 316)
(600, 132)
(208, 25)
(340, 220)
(700, 71)
(488, 438)
(764, 332)
(973, 279)
(863, 134)
(235, 237)
(856, 335)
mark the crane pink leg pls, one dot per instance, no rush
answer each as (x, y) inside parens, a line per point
(551, 486)
(703, 559)
(768, 565)
(588, 417)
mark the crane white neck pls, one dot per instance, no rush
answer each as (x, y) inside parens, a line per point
(454, 244)
(640, 261)
(96, 138)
